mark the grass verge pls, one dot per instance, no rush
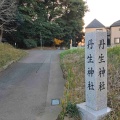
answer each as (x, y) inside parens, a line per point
(72, 63)
(9, 53)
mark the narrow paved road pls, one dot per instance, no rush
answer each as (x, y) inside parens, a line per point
(28, 86)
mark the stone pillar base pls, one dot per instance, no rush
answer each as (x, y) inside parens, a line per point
(90, 114)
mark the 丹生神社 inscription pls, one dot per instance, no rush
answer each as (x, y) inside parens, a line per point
(96, 70)
(95, 106)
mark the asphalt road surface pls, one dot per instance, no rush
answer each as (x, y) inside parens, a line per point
(28, 86)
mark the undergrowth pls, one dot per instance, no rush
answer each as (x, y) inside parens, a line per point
(9, 53)
(72, 63)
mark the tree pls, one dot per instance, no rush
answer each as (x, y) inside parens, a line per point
(33, 17)
(72, 19)
(30, 18)
(7, 13)
(49, 19)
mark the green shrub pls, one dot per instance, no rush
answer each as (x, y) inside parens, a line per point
(69, 111)
(72, 110)
(30, 43)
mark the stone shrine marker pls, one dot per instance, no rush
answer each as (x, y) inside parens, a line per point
(96, 70)
(95, 106)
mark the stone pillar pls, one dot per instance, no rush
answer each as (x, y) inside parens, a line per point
(95, 106)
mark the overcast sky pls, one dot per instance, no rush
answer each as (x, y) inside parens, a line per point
(105, 11)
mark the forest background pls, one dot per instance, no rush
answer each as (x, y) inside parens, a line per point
(30, 23)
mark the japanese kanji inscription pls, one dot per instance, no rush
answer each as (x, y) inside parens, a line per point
(96, 70)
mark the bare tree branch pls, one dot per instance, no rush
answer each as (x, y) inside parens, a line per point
(7, 13)
(7, 10)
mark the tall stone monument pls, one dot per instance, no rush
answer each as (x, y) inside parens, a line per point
(95, 106)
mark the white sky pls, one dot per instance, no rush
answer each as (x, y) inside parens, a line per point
(105, 11)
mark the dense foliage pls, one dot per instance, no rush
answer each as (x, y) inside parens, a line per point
(44, 20)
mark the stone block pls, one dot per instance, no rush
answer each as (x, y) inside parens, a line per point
(89, 114)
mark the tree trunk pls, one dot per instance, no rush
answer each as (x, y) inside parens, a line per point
(1, 33)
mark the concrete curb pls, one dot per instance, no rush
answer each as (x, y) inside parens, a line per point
(11, 62)
(8, 64)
